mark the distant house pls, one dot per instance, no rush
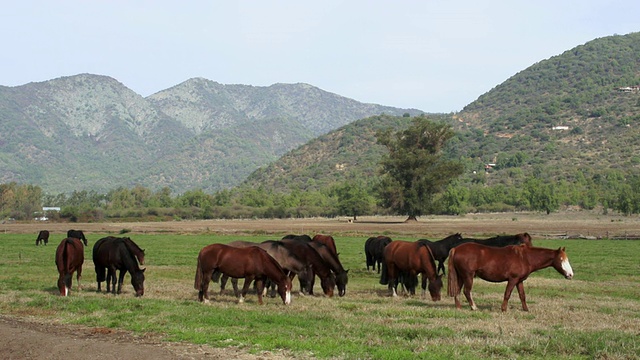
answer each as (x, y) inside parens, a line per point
(629, 88)
(560, 128)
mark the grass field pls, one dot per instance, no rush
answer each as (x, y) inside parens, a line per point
(594, 316)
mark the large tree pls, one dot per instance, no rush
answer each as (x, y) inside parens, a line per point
(414, 170)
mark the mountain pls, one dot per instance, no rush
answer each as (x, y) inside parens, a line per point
(90, 132)
(573, 115)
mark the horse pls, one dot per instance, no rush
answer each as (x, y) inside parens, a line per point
(410, 258)
(133, 247)
(331, 259)
(249, 263)
(112, 253)
(440, 248)
(69, 259)
(512, 264)
(78, 234)
(319, 267)
(43, 237)
(504, 240)
(291, 264)
(328, 241)
(374, 249)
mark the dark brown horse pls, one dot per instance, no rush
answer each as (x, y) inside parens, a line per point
(512, 264)
(291, 264)
(69, 259)
(43, 237)
(304, 251)
(113, 254)
(374, 250)
(504, 240)
(331, 259)
(410, 258)
(328, 241)
(78, 234)
(250, 263)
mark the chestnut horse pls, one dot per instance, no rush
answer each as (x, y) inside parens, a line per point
(290, 263)
(250, 263)
(410, 258)
(374, 249)
(327, 240)
(497, 264)
(69, 259)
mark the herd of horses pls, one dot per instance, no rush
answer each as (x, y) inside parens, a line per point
(273, 264)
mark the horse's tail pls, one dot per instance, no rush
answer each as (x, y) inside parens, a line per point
(384, 273)
(453, 288)
(198, 281)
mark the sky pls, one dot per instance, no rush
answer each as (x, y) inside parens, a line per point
(431, 55)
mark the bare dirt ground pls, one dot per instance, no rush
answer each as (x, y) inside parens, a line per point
(25, 338)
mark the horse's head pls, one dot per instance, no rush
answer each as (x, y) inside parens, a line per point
(285, 291)
(137, 280)
(328, 284)
(562, 265)
(341, 282)
(435, 287)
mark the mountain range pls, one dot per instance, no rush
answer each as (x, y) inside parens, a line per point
(90, 132)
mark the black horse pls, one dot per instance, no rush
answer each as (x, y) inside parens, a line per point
(504, 240)
(112, 254)
(441, 248)
(43, 237)
(374, 249)
(78, 234)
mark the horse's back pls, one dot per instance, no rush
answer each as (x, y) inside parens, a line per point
(327, 240)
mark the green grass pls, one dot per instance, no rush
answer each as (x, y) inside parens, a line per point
(596, 315)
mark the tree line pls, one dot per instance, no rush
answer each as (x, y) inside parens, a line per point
(415, 179)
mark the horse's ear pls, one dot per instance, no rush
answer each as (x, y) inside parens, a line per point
(347, 271)
(143, 270)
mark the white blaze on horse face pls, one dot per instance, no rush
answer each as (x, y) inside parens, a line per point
(566, 267)
(287, 298)
(66, 291)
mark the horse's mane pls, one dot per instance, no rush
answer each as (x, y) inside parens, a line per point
(129, 259)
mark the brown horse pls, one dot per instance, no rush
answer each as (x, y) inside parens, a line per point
(250, 263)
(328, 241)
(411, 259)
(331, 259)
(290, 263)
(43, 237)
(301, 248)
(69, 259)
(111, 254)
(497, 264)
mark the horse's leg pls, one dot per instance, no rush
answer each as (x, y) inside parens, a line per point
(424, 285)
(259, 289)
(523, 297)
(245, 288)
(223, 283)
(121, 279)
(507, 294)
(441, 267)
(203, 294)
(468, 284)
(79, 276)
(234, 283)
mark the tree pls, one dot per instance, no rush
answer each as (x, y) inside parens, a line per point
(353, 199)
(414, 170)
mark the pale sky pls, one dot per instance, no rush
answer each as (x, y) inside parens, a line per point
(436, 56)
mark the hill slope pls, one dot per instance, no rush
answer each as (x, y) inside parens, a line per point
(559, 117)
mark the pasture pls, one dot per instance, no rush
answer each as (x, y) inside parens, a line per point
(594, 316)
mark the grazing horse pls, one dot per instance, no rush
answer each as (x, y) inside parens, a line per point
(319, 267)
(328, 241)
(374, 249)
(250, 263)
(497, 264)
(440, 248)
(410, 258)
(78, 234)
(133, 247)
(113, 254)
(331, 259)
(43, 237)
(69, 259)
(291, 264)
